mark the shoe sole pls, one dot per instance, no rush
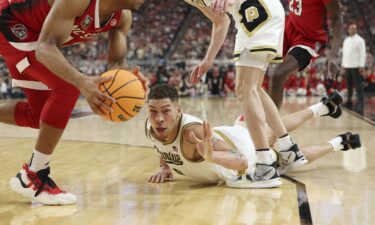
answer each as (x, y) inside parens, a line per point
(243, 184)
(300, 162)
(16, 186)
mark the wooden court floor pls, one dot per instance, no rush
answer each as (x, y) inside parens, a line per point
(107, 166)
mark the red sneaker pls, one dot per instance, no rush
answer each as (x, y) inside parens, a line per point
(40, 187)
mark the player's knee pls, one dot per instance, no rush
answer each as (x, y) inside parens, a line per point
(26, 116)
(245, 91)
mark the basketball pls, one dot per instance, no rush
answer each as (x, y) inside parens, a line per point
(128, 92)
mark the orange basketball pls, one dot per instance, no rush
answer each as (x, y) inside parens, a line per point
(128, 91)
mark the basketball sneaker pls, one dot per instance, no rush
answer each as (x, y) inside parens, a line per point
(290, 159)
(264, 176)
(40, 187)
(333, 102)
(350, 141)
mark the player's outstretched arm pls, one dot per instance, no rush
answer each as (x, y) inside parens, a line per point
(214, 150)
(165, 174)
(335, 15)
(117, 49)
(220, 25)
(55, 31)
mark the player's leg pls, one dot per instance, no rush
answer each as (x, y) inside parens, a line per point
(51, 117)
(279, 77)
(265, 174)
(7, 112)
(296, 60)
(342, 142)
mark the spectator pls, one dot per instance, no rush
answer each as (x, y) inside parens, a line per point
(353, 60)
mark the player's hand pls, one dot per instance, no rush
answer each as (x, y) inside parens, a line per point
(165, 174)
(220, 7)
(204, 146)
(99, 102)
(333, 69)
(137, 72)
(199, 70)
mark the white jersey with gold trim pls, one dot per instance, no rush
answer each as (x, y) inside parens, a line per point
(203, 171)
(260, 26)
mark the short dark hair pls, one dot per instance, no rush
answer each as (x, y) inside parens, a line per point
(161, 91)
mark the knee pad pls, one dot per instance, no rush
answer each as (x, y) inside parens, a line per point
(58, 108)
(302, 56)
(25, 117)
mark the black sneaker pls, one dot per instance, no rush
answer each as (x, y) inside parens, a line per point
(333, 102)
(291, 158)
(264, 176)
(350, 141)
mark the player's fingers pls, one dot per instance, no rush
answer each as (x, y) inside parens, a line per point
(136, 70)
(158, 178)
(195, 138)
(106, 98)
(153, 179)
(192, 75)
(101, 80)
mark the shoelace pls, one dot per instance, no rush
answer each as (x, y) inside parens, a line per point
(45, 179)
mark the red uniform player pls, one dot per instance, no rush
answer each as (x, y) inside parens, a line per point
(31, 33)
(306, 31)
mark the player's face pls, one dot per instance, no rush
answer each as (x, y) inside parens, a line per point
(164, 116)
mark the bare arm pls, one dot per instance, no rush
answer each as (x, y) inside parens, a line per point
(118, 42)
(220, 25)
(335, 15)
(56, 29)
(118, 48)
(214, 150)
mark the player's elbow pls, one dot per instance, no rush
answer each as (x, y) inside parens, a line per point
(41, 51)
(221, 21)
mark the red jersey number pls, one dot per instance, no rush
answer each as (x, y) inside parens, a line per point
(295, 6)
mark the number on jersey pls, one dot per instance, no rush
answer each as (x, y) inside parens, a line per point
(253, 14)
(295, 6)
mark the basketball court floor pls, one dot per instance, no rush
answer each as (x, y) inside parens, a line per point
(107, 166)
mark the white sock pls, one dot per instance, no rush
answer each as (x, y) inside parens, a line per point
(264, 156)
(336, 143)
(39, 161)
(285, 142)
(319, 109)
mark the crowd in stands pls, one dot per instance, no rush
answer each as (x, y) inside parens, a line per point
(155, 29)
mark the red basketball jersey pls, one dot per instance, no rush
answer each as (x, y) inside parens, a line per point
(309, 17)
(21, 21)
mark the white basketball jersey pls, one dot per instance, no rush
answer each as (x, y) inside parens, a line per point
(260, 26)
(202, 171)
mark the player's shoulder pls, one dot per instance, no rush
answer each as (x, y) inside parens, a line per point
(76, 7)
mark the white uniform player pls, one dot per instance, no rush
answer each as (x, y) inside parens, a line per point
(202, 171)
(260, 29)
(259, 40)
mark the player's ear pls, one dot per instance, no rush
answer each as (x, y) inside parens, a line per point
(179, 108)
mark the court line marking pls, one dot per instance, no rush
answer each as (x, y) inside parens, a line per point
(359, 116)
(303, 201)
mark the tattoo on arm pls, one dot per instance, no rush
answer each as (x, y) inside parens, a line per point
(236, 154)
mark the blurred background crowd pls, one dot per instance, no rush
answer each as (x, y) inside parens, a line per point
(167, 42)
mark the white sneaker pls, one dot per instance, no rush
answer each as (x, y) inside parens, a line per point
(264, 176)
(40, 187)
(291, 159)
